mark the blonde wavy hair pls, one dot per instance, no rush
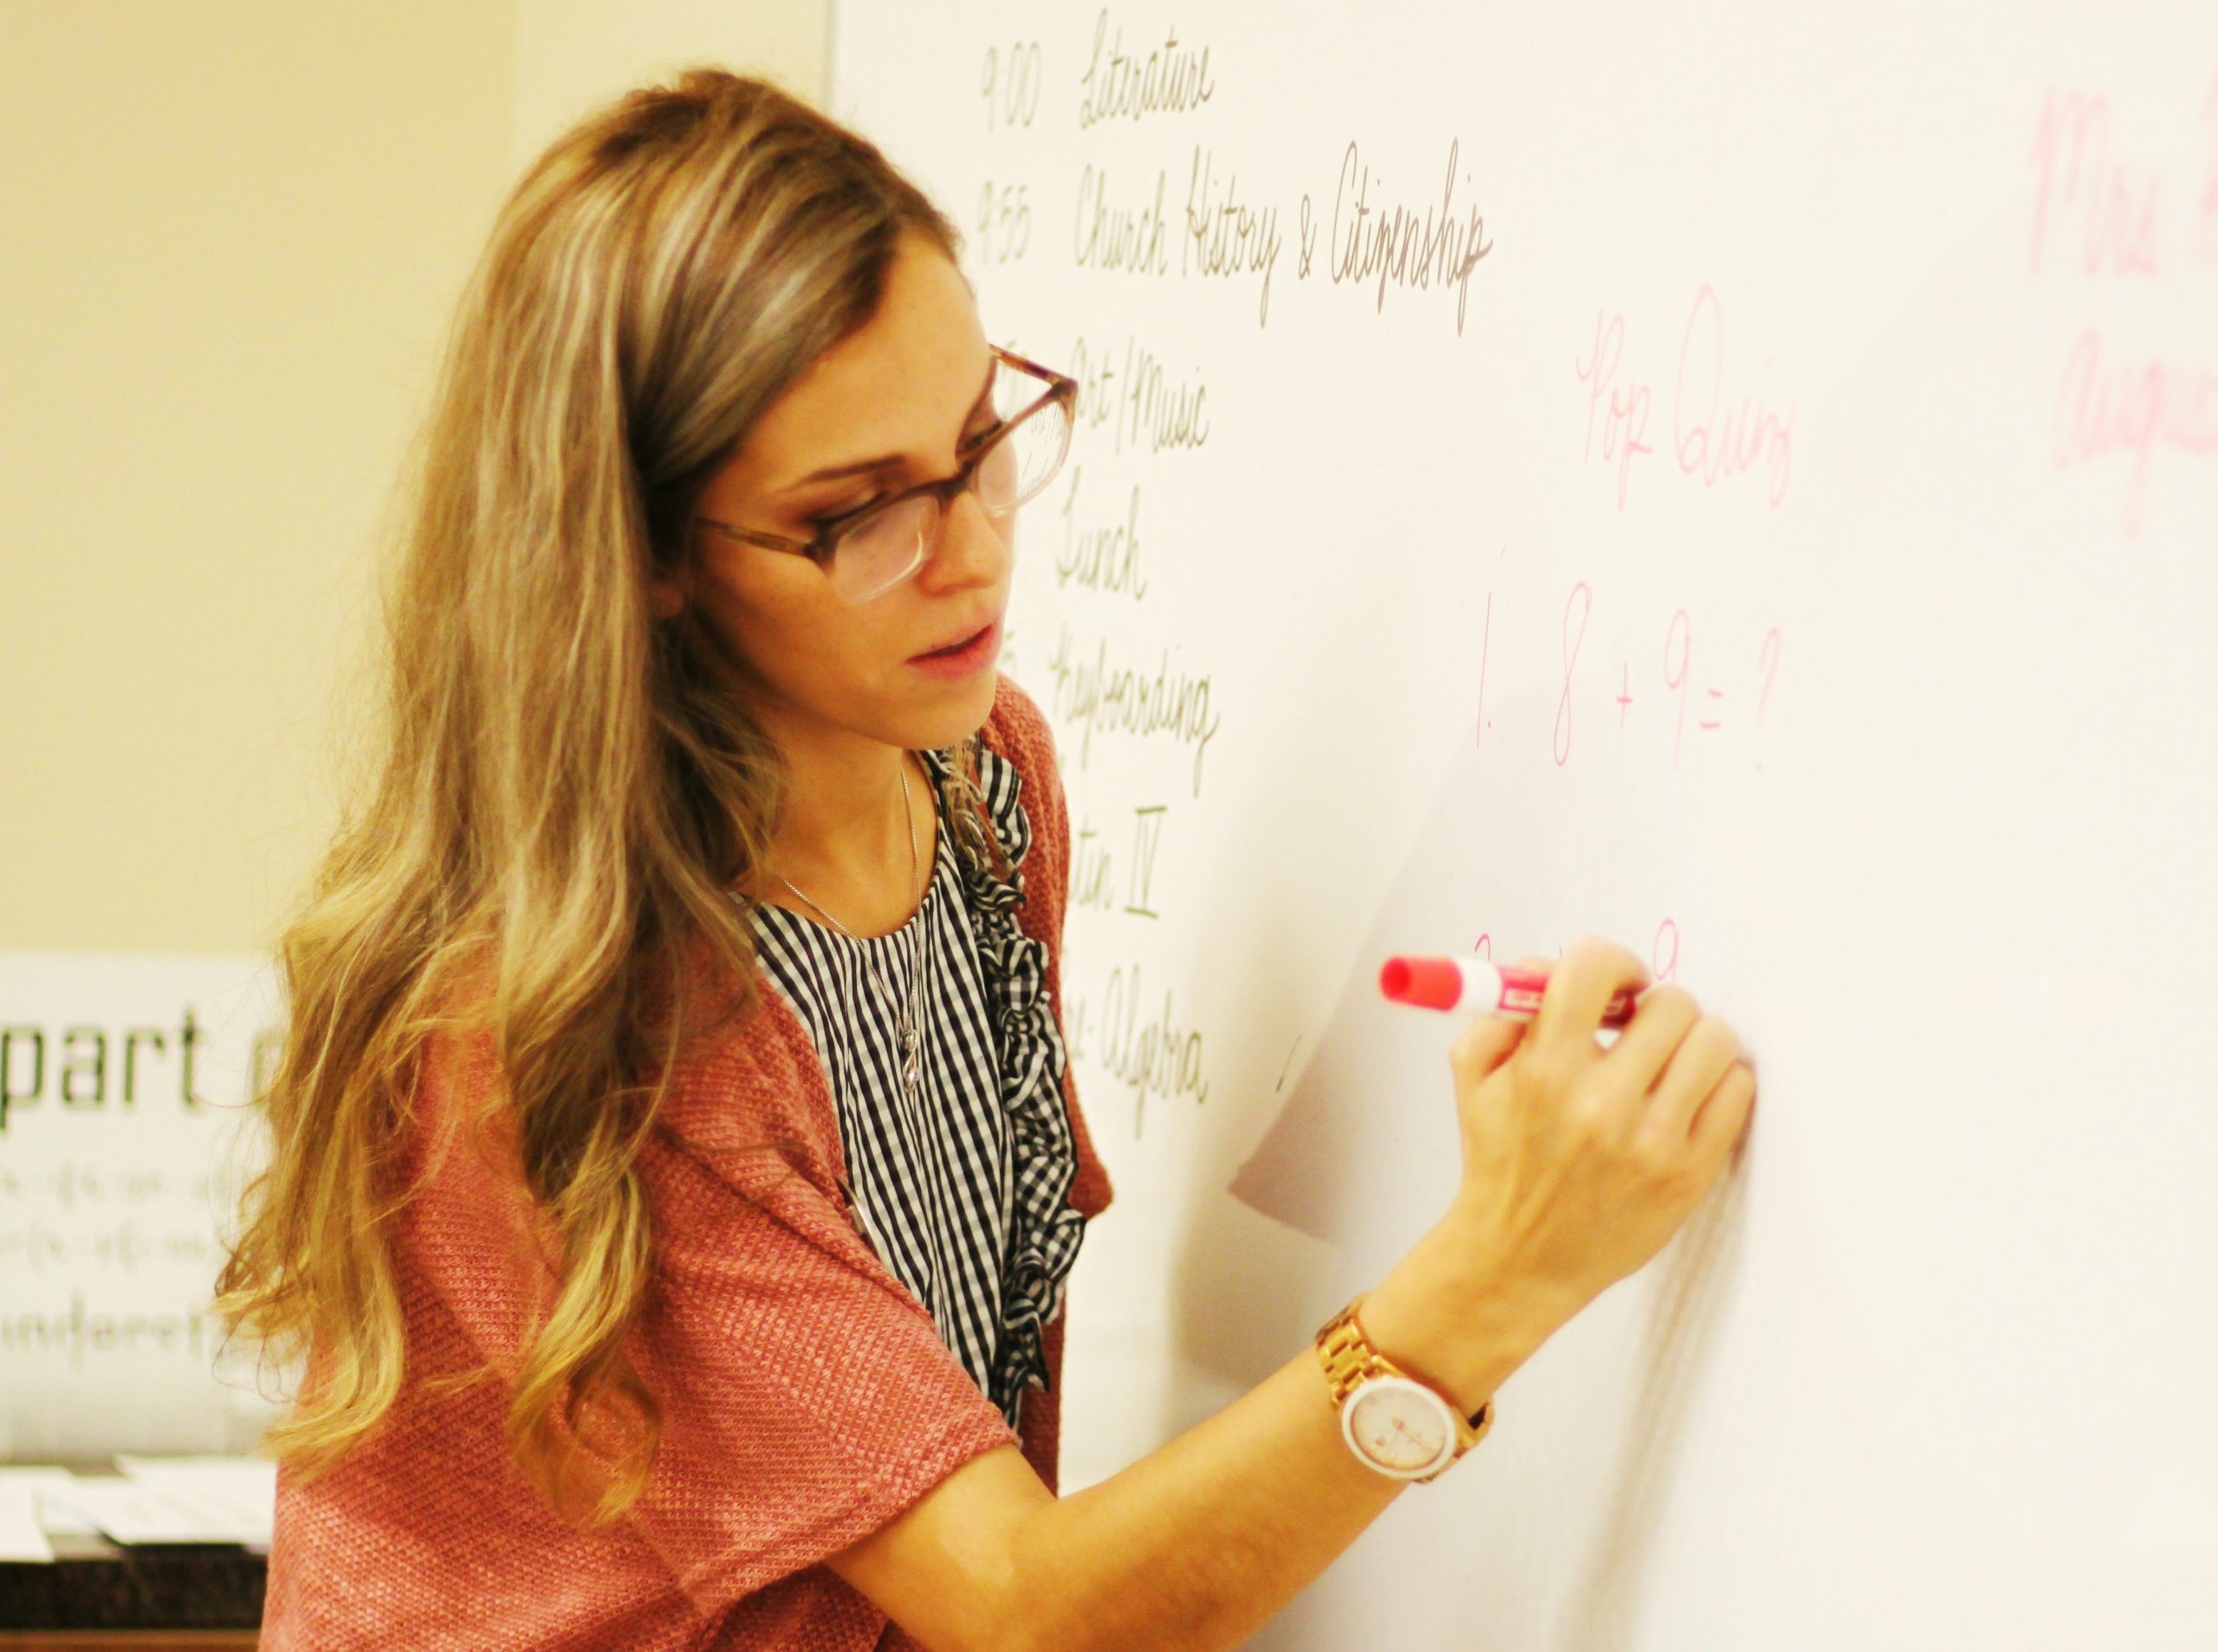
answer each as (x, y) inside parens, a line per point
(564, 804)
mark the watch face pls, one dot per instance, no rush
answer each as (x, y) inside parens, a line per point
(1402, 1427)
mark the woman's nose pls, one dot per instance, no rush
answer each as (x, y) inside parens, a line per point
(973, 545)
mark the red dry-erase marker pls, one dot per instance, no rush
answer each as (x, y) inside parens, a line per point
(1489, 988)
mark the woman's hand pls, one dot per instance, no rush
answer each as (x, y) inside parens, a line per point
(1578, 1164)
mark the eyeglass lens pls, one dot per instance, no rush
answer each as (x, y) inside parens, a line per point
(877, 555)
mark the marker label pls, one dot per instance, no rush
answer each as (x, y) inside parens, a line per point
(1485, 988)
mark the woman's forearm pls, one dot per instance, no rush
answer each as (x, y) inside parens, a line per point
(1194, 1547)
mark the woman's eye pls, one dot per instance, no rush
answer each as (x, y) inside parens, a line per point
(838, 511)
(970, 439)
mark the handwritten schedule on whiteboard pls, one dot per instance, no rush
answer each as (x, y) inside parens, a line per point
(1738, 481)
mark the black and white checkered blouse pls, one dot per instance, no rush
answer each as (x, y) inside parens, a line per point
(964, 1197)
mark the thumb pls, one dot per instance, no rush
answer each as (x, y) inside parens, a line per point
(1484, 1044)
(1489, 1039)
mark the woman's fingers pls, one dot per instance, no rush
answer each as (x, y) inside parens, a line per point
(1699, 1062)
(1722, 1123)
(1662, 1020)
(1592, 971)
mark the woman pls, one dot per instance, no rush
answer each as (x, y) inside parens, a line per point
(676, 1165)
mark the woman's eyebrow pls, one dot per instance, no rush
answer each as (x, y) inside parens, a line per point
(884, 460)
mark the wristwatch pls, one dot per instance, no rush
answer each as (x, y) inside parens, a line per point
(1394, 1423)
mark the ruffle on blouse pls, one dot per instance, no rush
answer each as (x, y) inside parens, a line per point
(1045, 1231)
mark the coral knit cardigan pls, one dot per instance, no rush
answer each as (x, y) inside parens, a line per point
(807, 1398)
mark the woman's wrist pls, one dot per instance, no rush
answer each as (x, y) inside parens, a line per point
(1443, 1314)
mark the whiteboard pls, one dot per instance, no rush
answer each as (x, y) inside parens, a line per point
(1739, 479)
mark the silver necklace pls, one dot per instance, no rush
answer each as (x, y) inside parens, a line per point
(905, 1016)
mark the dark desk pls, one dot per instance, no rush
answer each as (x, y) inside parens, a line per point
(128, 1641)
(99, 1595)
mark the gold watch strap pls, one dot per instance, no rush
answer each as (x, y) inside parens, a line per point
(1350, 1360)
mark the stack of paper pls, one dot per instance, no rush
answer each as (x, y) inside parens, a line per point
(152, 1499)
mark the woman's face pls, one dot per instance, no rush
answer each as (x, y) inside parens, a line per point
(906, 390)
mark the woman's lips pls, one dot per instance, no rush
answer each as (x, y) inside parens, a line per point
(964, 658)
(960, 643)
(955, 647)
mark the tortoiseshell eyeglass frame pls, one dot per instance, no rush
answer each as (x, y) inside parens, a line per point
(1061, 388)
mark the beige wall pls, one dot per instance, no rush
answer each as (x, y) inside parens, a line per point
(571, 54)
(234, 232)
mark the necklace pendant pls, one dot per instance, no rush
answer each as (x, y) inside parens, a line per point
(912, 1069)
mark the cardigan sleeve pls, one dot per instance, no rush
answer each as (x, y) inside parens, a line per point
(806, 1397)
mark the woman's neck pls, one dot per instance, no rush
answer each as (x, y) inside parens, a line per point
(846, 840)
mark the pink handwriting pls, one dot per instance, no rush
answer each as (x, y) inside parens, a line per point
(2210, 179)
(2131, 408)
(1583, 599)
(1676, 677)
(1663, 952)
(2072, 169)
(1716, 437)
(1624, 414)
(1703, 698)
(1713, 440)
(1486, 644)
(1766, 668)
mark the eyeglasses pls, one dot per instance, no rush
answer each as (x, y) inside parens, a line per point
(873, 548)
